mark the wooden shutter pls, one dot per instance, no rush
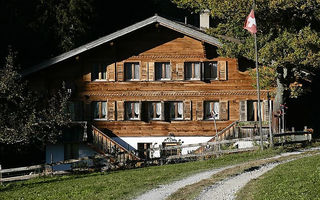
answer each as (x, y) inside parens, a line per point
(120, 71)
(224, 110)
(144, 71)
(180, 71)
(120, 110)
(243, 110)
(151, 71)
(199, 110)
(111, 72)
(111, 110)
(174, 71)
(222, 70)
(162, 110)
(187, 110)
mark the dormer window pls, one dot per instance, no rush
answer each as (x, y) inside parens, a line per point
(132, 71)
(163, 70)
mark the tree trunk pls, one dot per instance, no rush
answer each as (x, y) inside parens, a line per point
(280, 98)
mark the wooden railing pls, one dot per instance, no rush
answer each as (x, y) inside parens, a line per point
(110, 148)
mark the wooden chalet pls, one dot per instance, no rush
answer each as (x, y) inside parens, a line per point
(146, 82)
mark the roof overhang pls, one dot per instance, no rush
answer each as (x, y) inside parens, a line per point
(192, 32)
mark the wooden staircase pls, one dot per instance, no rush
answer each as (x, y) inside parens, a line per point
(228, 133)
(116, 155)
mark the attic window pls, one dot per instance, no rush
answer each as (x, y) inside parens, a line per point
(192, 70)
(132, 71)
(99, 72)
(163, 70)
(210, 70)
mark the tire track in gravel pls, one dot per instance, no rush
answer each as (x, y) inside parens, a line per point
(164, 191)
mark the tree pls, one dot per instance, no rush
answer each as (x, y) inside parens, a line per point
(288, 39)
(67, 21)
(25, 117)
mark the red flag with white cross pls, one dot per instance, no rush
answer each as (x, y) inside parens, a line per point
(250, 23)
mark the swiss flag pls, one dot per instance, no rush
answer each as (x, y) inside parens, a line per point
(250, 23)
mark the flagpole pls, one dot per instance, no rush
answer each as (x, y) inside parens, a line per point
(258, 85)
(258, 91)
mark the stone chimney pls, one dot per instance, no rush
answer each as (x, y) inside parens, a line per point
(205, 19)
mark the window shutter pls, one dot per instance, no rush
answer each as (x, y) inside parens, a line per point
(224, 110)
(162, 111)
(222, 67)
(174, 71)
(144, 71)
(187, 110)
(120, 109)
(111, 110)
(151, 71)
(199, 110)
(120, 70)
(180, 71)
(243, 110)
(111, 69)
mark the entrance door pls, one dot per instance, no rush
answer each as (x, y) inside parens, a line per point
(142, 147)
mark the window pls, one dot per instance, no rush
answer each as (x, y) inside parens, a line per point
(211, 110)
(155, 110)
(99, 72)
(192, 70)
(142, 150)
(176, 110)
(210, 70)
(132, 110)
(132, 71)
(99, 110)
(163, 70)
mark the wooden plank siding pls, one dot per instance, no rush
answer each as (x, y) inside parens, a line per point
(147, 46)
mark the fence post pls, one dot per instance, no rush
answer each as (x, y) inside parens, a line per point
(0, 175)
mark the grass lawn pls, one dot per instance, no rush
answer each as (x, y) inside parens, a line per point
(299, 179)
(119, 184)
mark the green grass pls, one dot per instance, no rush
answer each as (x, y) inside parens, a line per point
(299, 179)
(119, 184)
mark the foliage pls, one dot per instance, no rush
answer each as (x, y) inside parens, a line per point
(288, 35)
(67, 20)
(24, 116)
(298, 179)
(118, 185)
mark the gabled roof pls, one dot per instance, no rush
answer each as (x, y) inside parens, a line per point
(179, 27)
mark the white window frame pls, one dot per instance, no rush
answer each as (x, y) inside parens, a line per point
(133, 70)
(211, 78)
(163, 71)
(100, 110)
(213, 105)
(193, 70)
(153, 108)
(176, 105)
(101, 68)
(135, 107)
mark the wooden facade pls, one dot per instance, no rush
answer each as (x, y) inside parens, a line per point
(115, 84)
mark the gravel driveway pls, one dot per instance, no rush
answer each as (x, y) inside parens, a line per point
(224, 190)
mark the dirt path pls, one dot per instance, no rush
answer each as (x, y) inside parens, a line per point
(227, 189)
(232, 184)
